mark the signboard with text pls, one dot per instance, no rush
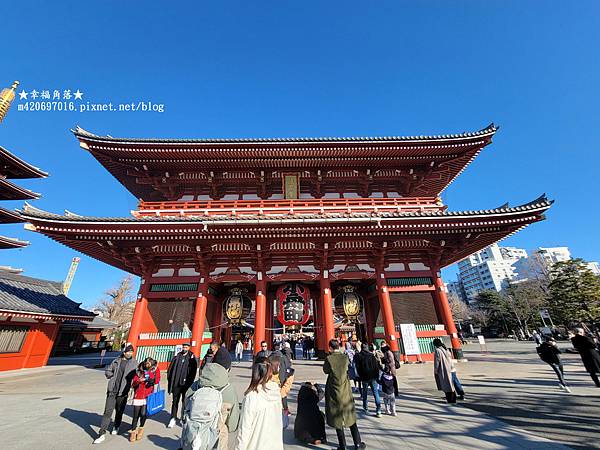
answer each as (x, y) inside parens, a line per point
(409, 339)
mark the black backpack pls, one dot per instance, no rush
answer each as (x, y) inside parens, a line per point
(371, 366)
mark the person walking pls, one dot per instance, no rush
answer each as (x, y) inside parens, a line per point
(180, 375)
(284, 377)
(379, 356)
(442, 370)
(239, 351)
(550, 354)
(389, 363)
(367, 370)
(352, 375)
(120, 374)
(261, 425)
(387, 389)
(588, 353)
(146, 377)
(339, 403)
(309, 426)
(537, 338)
(305, 347)
(215, 376)
(288, 353)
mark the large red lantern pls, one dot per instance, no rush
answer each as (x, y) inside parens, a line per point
(292, 302)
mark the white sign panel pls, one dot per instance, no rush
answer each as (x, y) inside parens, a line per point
(103, 352)
(409, 339)
(481, 340)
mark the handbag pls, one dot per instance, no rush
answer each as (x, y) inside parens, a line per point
(155, 402)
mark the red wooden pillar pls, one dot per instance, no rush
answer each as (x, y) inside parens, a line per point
(141, 306)
(327, 311)
(443, 309)
(387, 313)
(260, 313)
(199, 317)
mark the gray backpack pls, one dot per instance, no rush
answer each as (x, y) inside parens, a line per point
(201, 419)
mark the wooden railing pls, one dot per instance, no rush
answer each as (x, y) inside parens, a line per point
(234, 208)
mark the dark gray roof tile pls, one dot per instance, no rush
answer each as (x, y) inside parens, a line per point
(27, 294)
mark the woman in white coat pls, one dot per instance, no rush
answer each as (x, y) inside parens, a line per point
(261, 425)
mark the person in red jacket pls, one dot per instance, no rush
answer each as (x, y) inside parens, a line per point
(146, 377)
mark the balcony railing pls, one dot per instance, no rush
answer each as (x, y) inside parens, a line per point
(234, 208)
(166, 335)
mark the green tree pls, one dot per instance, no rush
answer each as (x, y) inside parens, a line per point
(574, 292)
(497, 310)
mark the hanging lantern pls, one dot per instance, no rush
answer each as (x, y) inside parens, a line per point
(292, 301)
(236, 307)
(349, 304)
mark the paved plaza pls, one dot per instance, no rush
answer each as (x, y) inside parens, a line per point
(59, 407)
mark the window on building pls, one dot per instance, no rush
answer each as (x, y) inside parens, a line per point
(12, 338)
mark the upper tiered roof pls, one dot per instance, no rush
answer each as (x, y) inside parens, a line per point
(168, 169)
(130, 243)
(14, 167)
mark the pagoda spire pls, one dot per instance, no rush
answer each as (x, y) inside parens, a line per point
(6, 98)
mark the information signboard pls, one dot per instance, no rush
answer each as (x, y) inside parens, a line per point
(409, 339)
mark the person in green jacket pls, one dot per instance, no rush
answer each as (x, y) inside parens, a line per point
(339, 402)
(216, 376)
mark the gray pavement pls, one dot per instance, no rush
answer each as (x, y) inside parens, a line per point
(60, 406)
(511, 383)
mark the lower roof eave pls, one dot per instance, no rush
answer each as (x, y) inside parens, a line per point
(47, 316)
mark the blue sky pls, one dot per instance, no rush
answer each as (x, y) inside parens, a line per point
(312, 68)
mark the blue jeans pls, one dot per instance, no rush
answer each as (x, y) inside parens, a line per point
(374, 389)
(457, 386)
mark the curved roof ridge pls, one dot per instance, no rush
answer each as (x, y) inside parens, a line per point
(79, 132)
(36, 172)
(21, 193)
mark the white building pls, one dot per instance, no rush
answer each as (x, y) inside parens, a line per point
(553, 255)
(489, 269)
(540, 262)
(456, 289)
(594, 267)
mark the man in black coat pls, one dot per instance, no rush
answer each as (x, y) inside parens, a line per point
(367, 369)
(550, 354)
(120, 374)
(264, 351)
(181, 375)
(221, 355)
(589, 354)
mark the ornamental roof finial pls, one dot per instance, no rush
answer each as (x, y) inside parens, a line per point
(6, 98)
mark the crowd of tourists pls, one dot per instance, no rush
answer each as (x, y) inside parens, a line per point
(208, 409)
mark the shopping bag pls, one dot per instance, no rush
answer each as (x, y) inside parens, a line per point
(155, 402)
